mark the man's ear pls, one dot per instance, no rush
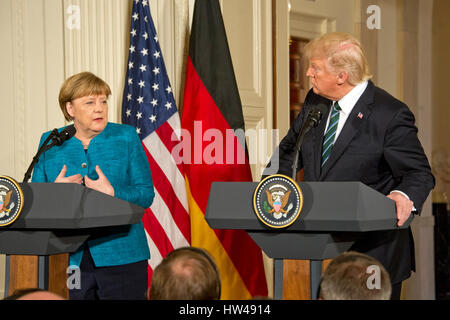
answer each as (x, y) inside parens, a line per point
(342, 77)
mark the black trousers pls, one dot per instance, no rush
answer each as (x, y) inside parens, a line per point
(396, 291)
(124, 282)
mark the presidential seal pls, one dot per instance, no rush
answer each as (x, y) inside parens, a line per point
(277, 201)
(11, 200)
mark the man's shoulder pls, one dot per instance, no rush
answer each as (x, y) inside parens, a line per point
(385, 100)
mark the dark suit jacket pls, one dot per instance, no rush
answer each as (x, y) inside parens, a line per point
(379, 148)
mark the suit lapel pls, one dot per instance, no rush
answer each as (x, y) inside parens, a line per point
(359, 114)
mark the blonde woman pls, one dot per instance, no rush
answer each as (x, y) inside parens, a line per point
(109, 158)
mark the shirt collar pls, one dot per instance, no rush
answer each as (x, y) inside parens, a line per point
(349, 100)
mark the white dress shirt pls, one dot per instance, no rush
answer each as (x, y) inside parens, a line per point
(347, 104)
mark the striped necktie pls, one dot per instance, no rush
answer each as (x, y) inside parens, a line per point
(330, 134)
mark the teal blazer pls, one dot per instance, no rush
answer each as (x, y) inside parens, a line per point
(119, 153)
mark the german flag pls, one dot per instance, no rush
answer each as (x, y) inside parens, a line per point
(212, 110)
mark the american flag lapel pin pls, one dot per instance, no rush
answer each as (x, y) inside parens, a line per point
(360, 115)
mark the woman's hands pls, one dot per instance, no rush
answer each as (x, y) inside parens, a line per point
(61, 178)
(101, 184)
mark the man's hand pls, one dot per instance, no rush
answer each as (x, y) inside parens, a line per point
(61, 178)
(101, 184)
(404, 206)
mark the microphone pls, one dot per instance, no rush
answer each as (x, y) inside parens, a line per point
(63, 136)
(312, 120)
(58, 138)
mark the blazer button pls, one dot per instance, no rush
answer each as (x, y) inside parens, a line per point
(83, 165)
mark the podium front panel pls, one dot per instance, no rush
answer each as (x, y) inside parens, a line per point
(327, 207)
(27, 242)
(302, 246)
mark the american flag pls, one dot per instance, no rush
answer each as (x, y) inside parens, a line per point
(149, 105)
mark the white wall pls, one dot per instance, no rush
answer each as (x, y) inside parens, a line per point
(31, 73)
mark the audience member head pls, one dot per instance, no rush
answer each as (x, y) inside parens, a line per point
(355, 276)
(186, 273)
(33, 294)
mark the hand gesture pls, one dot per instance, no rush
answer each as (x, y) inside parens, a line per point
(404, 207)
(61, 178)
(101, 184)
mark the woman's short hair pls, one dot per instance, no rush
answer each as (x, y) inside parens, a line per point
(81, 85)
(343, 52)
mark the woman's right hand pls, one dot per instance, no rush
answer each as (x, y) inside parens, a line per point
(61, 178)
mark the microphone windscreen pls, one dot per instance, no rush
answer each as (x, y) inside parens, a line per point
(68, 132)
(317, 113)
(322, 107)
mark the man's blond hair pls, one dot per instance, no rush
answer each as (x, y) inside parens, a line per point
(343, 52)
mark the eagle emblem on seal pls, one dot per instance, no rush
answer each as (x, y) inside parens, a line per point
(5, 199)
(277, 201)
(11, 200)
(278, 198)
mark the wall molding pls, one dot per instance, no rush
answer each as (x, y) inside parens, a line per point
(18, 11)
(310, 26)
(100, 45)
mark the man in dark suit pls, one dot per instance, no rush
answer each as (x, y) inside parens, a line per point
(365, 135)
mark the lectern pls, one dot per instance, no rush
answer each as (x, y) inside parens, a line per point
(59, 218)
(333, 217)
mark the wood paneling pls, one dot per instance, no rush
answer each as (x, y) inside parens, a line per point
(296, 282)
(57, 282)
(23, 272)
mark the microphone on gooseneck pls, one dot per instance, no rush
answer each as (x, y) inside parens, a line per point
(63, 136)
(57, 139)
(312, 120)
